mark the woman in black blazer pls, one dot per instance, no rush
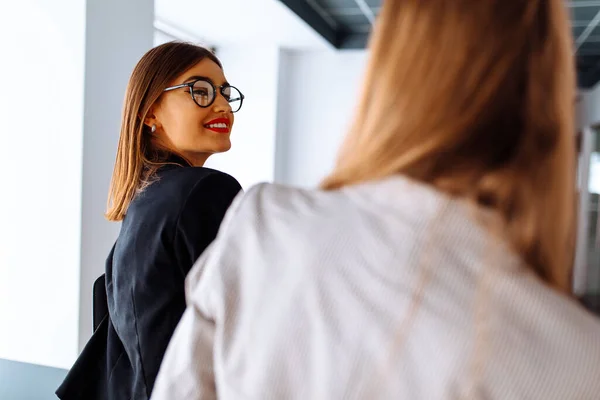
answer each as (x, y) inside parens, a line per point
(178, 111)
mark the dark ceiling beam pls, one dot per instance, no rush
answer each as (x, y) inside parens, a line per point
(588, 60)
(340, 39)
(588, 73)
(303, 9)
(354, 41)
(584, 3)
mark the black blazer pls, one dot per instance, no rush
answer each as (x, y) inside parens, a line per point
(165, 230)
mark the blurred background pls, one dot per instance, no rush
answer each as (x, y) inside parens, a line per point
(65, 66)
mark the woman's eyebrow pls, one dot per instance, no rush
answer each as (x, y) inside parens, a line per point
(196, 77)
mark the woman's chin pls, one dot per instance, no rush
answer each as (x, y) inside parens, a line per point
(222, 146)
(212, 146)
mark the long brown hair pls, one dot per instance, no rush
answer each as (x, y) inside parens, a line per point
(138, 155)
(476, 98)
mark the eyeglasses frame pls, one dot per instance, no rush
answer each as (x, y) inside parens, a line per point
(191, 84)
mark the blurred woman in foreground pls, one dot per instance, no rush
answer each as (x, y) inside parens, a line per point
(434, 263)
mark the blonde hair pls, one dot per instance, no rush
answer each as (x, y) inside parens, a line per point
(476, 98)
(139, 155)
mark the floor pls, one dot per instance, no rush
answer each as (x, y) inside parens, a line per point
(22, 381)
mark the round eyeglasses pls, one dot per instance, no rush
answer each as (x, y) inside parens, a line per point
(203, 92)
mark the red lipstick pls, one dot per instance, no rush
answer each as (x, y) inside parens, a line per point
(220, 125)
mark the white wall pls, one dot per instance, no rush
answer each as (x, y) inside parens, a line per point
(161, 37)
(318, 93)
(41, 109)
(588, 110)
(285, 111)
(298, 107)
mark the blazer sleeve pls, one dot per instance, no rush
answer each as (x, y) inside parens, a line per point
(201, 217)
(197, 225)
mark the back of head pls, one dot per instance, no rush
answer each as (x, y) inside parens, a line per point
(138, 155)
(477, 99)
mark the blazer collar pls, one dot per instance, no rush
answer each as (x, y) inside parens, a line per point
(175, 159)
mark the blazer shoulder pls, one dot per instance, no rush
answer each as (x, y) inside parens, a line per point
(194, 175)
(208, 191)
(182, 182)
(210, 183)
(174, 188)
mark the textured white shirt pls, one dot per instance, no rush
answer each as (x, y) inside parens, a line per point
(385, 290)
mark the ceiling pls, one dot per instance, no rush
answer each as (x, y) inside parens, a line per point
(343, 23)
(346, 24)
(241, 23)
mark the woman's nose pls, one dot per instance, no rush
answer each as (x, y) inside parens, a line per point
(221, 105)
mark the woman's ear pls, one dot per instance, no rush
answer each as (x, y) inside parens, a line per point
(151, 120)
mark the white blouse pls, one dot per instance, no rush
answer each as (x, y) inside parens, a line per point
(385, 290)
